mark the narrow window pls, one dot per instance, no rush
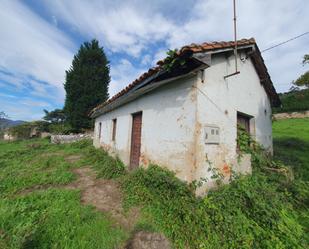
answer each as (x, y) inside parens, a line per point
(114, 129)
(100, 128)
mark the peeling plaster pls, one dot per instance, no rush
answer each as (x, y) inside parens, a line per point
(174, 120)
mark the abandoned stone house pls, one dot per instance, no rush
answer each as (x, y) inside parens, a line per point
(185, 118)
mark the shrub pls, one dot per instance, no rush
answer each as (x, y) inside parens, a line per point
(106, 166)
(249, 213)
(293, 101)
(21, 131)
(24, 130)
(60, 128)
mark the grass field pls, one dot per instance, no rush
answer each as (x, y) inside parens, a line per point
(265, 210)
(291, 145)
(52, 218)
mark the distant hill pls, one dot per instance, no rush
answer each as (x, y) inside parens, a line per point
(293, 101)
(6, 123)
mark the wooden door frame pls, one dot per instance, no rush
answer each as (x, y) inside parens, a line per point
(249, 118)
(131, 166)
(245, 115)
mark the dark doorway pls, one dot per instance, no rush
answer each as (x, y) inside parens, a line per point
(114, 129)
(243, 120)
(136, 140)
(100, 130)
(243, 124)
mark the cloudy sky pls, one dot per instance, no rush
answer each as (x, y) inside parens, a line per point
(39, 39)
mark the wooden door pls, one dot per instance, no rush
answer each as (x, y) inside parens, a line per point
(136, 140)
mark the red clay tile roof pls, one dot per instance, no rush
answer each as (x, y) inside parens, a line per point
(193, 48)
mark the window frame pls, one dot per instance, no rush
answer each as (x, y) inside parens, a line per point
(248, 126)
(100, 130)
(114, 128)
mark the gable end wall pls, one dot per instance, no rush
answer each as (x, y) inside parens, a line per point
(218, 101)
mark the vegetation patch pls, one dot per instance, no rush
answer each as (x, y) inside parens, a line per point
(55, 219)
(268, 209)
(106, 166)
(293, 101)
(265, 210)
(252, 212)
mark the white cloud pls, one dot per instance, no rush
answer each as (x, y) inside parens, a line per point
(25, 84)
(7, 96)
(23, 108)
(11, 79)
(54, 20)
(132, 26)
(159, 55)
(25, 113)
(123, 27)
(146, 59)
(31, 46)
(122, 74)
(36, 103)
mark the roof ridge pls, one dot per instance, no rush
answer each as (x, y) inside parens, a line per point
(193, 47)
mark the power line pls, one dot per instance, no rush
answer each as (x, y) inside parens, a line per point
(213, 102)
(284, 42)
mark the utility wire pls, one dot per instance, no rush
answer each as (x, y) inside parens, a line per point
(281, 43)
(213, 102)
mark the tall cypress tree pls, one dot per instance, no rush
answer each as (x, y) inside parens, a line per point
(86, 84)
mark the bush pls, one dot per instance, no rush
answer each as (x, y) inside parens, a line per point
(250, 213)
(21, 131)
(293, 101)
(24, 130)
(106, 166)
(60, 128)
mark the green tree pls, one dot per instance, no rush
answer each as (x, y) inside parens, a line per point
(303, 80)
(55, 116)
(86, 84)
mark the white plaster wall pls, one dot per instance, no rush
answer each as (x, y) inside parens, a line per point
(168, 123)
(218, 101)
(174, 117)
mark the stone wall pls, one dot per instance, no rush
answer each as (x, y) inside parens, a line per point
(61, 139)
(45, 134)
(9, 137)
(287, 115)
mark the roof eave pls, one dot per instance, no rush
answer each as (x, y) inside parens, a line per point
(265, 78)
(132, 95)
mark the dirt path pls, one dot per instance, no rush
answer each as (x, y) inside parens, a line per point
(104, 195)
